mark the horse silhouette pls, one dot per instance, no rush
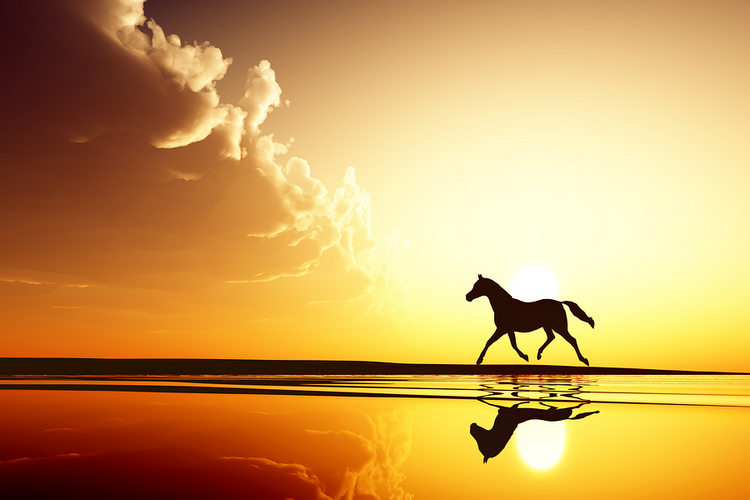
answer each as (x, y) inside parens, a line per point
(492, 441)
(513, 315)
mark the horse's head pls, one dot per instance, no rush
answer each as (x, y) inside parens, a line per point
(489, 443)
(480, 288)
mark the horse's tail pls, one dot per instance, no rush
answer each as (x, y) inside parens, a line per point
(578, 312)
(583, 415)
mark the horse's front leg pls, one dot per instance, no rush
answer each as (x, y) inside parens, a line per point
(512, 337)
(490, 341)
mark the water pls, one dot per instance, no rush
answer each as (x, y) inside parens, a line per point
(375, 437)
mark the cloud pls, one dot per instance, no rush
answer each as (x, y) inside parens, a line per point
(262, 94)
(122, 168)
(157, 473)
(206, 453)
(392, 441)
(83, 69)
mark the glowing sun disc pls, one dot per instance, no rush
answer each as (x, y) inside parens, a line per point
(534, 283)
(540, 443)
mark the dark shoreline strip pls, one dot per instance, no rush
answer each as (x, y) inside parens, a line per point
(173, 366)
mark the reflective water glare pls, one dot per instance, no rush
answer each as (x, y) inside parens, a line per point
(375, 437)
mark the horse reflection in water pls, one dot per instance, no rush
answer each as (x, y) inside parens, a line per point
(492, 441)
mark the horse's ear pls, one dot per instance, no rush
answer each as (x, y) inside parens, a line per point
(479, 276)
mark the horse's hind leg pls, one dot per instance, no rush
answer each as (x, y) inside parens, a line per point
(572, 341)
(512, 336)
(550, 338)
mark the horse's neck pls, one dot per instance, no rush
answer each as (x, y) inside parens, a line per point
(503, 429)
(499, 298)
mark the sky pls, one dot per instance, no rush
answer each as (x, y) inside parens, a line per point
(325, 180)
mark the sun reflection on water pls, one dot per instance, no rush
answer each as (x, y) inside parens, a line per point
(541, 443)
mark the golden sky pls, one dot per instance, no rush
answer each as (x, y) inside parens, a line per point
(325, 180)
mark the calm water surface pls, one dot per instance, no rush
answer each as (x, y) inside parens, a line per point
(375, 437)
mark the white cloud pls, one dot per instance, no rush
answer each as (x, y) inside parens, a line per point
(134, 174)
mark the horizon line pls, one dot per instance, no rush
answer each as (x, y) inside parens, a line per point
(240, 366)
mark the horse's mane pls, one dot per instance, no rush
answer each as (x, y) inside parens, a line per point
(499, 289)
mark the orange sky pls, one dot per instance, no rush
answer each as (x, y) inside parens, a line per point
(153, 205)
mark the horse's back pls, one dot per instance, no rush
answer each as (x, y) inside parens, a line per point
(528, 316)
(541, 303)
(546, 414)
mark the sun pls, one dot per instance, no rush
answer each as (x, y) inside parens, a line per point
(540, 443)
(534, 283)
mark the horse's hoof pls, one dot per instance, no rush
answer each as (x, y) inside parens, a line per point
(479, 361)
(585, 361)
(525, 358)
(539, 356)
